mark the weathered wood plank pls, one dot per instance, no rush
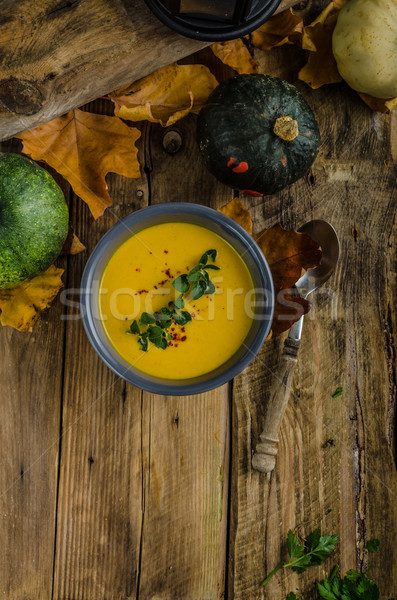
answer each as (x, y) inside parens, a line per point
(335, 468)
(56, 55)
(187, 439)
(31, 377)
(100, 489)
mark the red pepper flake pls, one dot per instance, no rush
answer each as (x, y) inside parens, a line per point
(155, 287)
(176, 345)
(193, 314)
(231, 161)
(165, 251)
(143, 292)
(137, 269)
(283, 161)
(187, 268)
(183, 338)
(183, 329)
(150, 252)
(172, 328)
(168, 273)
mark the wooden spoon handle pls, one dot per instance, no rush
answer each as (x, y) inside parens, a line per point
(264, 458)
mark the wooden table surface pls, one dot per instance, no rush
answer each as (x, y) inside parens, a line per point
(111, 493)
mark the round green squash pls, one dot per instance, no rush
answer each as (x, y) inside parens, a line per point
(257, 133)
(34, 220)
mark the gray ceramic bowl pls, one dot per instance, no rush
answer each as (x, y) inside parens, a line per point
(223, 226)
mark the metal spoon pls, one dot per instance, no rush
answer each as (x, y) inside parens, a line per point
(325, 235)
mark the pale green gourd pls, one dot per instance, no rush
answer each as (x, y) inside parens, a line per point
(364, 45)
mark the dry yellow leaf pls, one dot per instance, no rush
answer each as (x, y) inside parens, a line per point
(237, 211)
(235, 54)
(72, 243)
(21, 306)
(283, 28)
(166, 95)
(379, 104)
(83, 148)
(321, 66)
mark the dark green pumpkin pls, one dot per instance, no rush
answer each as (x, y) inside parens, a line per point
(257, 133)
(34, 220)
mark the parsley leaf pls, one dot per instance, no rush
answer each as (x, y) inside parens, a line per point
(372, 545)
(292, 596)
(337, 392)
(134, 327)
(146, 318)
(181, 284)
(315, 549)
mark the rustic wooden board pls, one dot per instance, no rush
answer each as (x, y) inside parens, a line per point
(56, 55)
(154, 497)
(31, 378)
(336, 469)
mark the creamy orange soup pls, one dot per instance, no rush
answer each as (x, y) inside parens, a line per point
(138, 278)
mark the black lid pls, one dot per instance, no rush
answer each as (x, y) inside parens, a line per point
(213, 20)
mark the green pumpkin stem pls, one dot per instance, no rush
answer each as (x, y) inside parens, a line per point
(286, 128)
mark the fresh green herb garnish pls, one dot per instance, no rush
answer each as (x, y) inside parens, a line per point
(372, 545)
(337, 392)
(196, 283)
(313, 551)
(198, 278)
(353, 586)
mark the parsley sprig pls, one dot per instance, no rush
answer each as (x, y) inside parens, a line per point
(313, 551)
(196, 283)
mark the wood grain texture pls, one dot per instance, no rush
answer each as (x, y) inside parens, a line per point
(335, 468)
(30, 400)
(154, 498)
(56, 55)
(143, 492)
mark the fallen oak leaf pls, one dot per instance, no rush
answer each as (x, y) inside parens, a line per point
(72, 243)
(379, 104)
(235, 54)
(83, 148)
(287, 253)
(21, 306)
(166, 95)
(321, 68)
(237, 211)
(283, 28)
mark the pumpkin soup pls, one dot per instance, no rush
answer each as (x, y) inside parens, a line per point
(175, 300)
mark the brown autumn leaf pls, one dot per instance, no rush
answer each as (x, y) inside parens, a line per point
(166, 95)
(321, 66)
(379, 104)
(72, 243)
(283, 28)
(235, 54)
(287, 253)
(21, 306)
(237, 211)
(83, 148)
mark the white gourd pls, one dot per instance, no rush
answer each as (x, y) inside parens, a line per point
(364, 45)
